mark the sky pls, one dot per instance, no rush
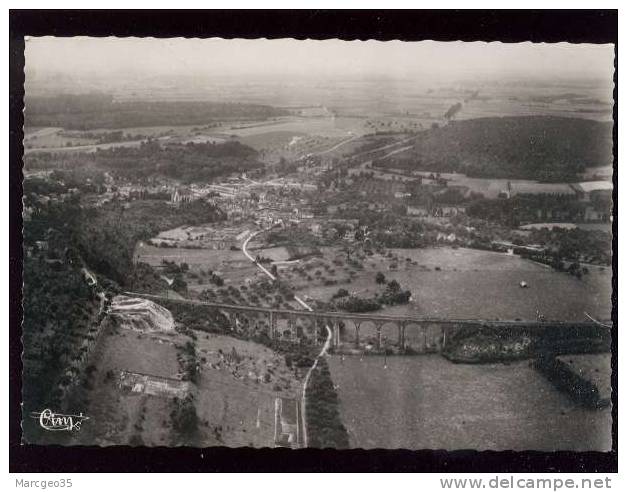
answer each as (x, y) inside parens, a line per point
(311, 58)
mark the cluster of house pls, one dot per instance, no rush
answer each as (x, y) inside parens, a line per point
(269, 215)
(345, 229)
(313, 164)
(597, 197)
(149, 384)
(36, 200)
(436, 210)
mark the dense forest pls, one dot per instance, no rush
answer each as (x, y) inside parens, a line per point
(60, 309)
(186, 162)
(92, 111)
(526, 208)
(543, 148)
(575, 244)
(107, 236)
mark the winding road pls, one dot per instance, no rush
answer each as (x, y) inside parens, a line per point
(325, 347)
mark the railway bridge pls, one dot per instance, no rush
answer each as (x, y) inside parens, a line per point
(423, 333)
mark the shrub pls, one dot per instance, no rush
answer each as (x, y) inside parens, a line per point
(323, 416)
(354, 304)
(340, 293)
(185, 419)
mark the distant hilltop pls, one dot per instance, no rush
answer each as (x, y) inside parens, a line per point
(542, 148)
(97, 110)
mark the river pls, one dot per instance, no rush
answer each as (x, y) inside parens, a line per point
(427, 402)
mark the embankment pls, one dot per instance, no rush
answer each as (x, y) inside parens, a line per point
(324, 423)
(565, 378)
(499, 343)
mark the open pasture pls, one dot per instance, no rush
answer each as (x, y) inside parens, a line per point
(427, 402)
(232, 266)
(53, 138)
(474, 284)
(271, 139)
(243, 283)
(120, 417)
(238, 385)
(485, 285)
(489, 187)
(324, 126)
(234, 395)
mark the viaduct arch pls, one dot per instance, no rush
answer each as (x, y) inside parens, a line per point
(423, 335)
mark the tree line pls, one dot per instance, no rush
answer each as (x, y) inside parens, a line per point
(95, 111)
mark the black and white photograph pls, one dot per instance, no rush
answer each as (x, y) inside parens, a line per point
(317, 243)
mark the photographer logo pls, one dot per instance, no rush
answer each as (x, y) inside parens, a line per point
(51, 421)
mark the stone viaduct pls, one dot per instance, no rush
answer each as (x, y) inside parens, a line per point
(424, 334)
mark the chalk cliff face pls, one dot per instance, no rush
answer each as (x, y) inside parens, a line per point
(140, 314)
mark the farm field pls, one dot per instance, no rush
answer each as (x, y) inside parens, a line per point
(193, 256)
(294, 137)
(293, 145)
(234, 395)
(203, 236)
(326, 126)
(325, 271)
(470, 282)
(427, 402)
(284, 243)
(491, 187)
(233, 266)
(445, 283)
(272, 139)
(499, 106)
(202, 138)
(118, 417)
(277, 254)
(51, 137)
(237, 389)
(429, 99)
(291, 134)
(558, 99)
(243, 282)
(467, 283)
(83, 147)
(407, 104)
(55, 141)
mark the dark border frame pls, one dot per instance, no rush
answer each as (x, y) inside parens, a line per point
(590, 26)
